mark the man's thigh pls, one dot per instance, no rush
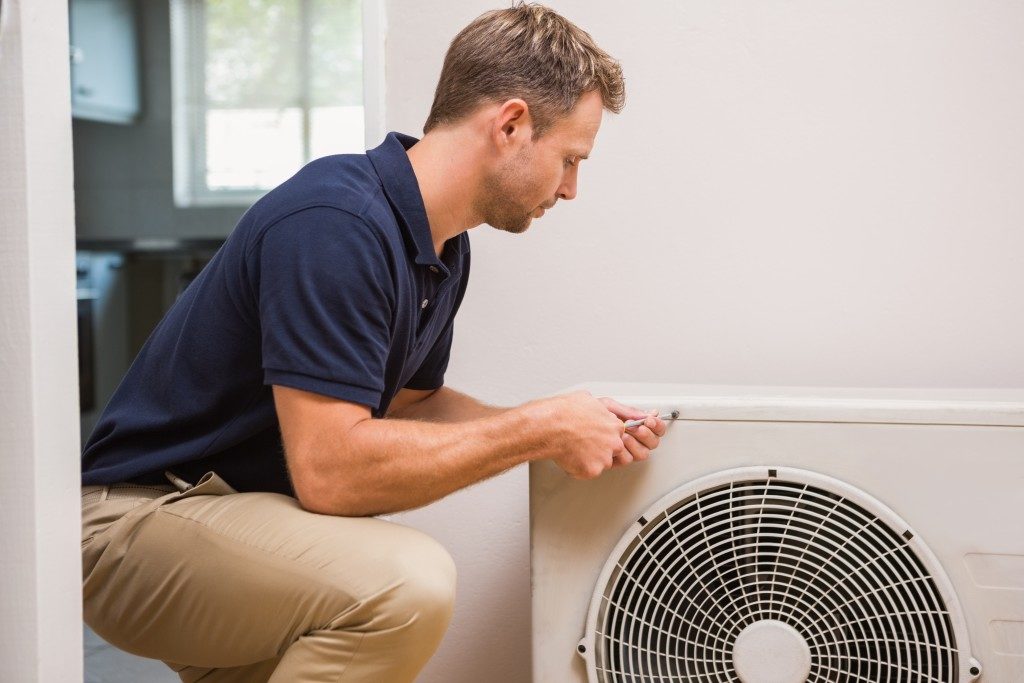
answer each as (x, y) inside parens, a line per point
(225, 580)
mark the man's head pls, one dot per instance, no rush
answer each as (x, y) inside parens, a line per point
(536, 85)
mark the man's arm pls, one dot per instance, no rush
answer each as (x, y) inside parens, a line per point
(439, 405)
(343, 462)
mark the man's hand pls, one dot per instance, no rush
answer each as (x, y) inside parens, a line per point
(640, 440)
(579, 434)
(589, 436)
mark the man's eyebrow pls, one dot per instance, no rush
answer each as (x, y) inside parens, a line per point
(581, 155)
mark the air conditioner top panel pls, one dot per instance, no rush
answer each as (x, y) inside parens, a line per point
(993, 407)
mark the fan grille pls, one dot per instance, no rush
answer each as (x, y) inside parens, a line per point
(732, 555)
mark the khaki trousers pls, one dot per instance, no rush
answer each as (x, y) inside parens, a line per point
(247, 587)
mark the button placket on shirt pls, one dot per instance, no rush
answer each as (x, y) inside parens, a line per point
(438, 281)
(426, 303)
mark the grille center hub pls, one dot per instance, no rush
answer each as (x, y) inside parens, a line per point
(771, 651)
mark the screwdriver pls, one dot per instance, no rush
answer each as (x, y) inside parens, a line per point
(665, 416)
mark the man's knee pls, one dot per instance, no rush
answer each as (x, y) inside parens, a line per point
(426, 591)
(416, 592)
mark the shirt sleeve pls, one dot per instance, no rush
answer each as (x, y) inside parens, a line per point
(326, 298)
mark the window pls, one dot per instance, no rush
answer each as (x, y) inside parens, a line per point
(263, 86)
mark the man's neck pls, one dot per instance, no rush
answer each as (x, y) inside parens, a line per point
(445, 168)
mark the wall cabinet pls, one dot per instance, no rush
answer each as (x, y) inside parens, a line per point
(104, 60)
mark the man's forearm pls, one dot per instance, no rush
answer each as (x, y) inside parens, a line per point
(447, 405)
(403, 464)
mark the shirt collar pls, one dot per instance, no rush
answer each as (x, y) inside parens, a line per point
(391, 162)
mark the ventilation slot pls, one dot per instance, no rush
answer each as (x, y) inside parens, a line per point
(745, 565)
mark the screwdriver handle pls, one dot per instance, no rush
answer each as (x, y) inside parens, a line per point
(665, 416)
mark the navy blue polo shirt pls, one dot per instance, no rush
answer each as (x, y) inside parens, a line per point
(329, 283)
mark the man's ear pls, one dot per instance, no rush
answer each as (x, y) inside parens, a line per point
(513, 125)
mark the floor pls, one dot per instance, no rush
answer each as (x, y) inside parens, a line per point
(104, 663)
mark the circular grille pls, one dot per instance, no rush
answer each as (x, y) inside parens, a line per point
(739, 576)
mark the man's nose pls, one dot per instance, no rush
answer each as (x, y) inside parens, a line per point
(568, 189)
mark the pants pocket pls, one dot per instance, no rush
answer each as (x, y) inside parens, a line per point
(103, 521)
(210, 484)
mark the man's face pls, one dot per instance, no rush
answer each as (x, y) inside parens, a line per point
(541, 171)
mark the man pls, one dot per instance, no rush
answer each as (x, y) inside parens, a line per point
(324, 325)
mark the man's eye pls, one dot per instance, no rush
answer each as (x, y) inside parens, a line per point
(571, 161)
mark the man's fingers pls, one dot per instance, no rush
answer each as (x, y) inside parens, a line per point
(656, 424)
(636, 449)
(623, 458)
(659, 427)
(620, 411)
(651, 421)
(650, 432)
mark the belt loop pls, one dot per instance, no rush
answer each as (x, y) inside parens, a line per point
(103, 494)
(178, 482)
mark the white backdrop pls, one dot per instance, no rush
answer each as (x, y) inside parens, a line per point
(796, 193)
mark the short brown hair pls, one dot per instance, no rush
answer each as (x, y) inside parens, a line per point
(527, 51)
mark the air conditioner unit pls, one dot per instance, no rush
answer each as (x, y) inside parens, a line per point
(790, 535)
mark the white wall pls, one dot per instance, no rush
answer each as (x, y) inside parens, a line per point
(40, 566)
(797, 193)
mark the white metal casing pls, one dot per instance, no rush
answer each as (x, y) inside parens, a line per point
(950, 463)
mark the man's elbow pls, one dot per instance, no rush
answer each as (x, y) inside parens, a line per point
(317, 485)
(337, 501)
(328, 480)
(407, 403)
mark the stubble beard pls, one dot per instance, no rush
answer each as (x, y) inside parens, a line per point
(497, 204)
